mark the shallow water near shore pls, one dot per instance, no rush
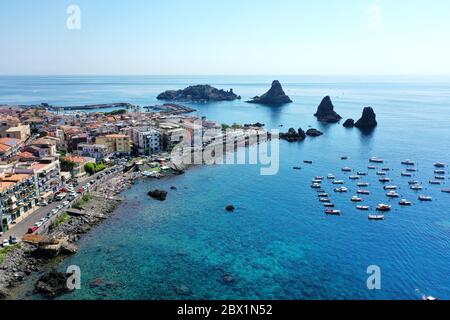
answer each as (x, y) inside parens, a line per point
(278, 244)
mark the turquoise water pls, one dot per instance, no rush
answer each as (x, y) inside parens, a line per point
(278, 244)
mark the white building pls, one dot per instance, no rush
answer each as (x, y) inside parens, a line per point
(146, 140)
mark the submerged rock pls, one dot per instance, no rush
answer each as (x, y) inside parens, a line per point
(52, 284)
(349, 123)
(368, 119)
(198, 93)
(275, 96)
(158, 194)
(228, 278)
(173, 188)
(293, 136)
(325, 111)
(313, 133)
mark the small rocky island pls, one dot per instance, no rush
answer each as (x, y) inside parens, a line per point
(293, 135)
(325, 112)
(275, 96)
(368, 119)
(349, 123)
(198, 93)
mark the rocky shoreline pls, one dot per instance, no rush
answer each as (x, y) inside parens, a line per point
(28, 258)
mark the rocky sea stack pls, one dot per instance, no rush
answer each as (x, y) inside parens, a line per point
(158, 195)
(52, 284)
(198, 93)
(313, 133)
(275, 96)
(293, 136)
(368, 119)
(325, 111)
(349, 123)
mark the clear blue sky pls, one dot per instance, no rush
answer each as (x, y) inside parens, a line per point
(158, 37)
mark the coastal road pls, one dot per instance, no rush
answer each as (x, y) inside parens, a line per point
(22, 227)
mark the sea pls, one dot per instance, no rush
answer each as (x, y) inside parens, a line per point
(279, 243)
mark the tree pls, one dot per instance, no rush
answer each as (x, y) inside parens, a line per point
(90, 168)
(67, 165)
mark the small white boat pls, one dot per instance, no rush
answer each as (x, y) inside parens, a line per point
(413, 182)
(381, 173)
(390, 187)
(363, 208)
(317, 181)
(435, 182)
(376, 217)
(346, 169)
(385, 169)
(344, 158)
(323, 195)
(429, 298)
(316, 186)
(439, 165)
(324, 200)
(328, 205)
(446, 190)
(318, 178)
(392, 194)
(425, 198)
(338, 182)
(376, 160)
(406, 174)
(385, 180)
(357, 199)
(405, 202)
(331, 176)
(333, 212)
(341, 190)
(363, 184)
(416, 187)
(362, 173)
(363, 192)
(371, 167)
(411, 170)
(408, 162)
(354, 177)
(439, 171)
(384, 207)
(439, 177)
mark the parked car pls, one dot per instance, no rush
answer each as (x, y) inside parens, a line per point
(66, 203)
(5, 243)
(13, 240)
(54, 211)
(32, 229)
(38, 224)
(42, 204)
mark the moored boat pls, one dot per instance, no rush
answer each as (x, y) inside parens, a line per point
(381, 173)
(328, 205)
(446, 190)
(341, 190)
(439, 165)
(323, 195)
(416, 187)
(307, 161)
(331, 176)
(354, 177)
(362, 173)
(319, 178)
(434, 182)
(439, 177)
(439, 171)
(363, 208)
(317, 181)
(425, 198)
(338, 182)
(344, 158)
(406, 174)
(411, 170)
(393, 194)
(390, 187)
(297, 168)
(363, 184)
(376, 160)
(324, 200)
(376, 217)
(346, 169)
(385, 169)
(371, 167)
(405, 202)
(357, 199)
(315, 186)
(384, 180)
(408, 162)
(384, 207)
(363, 192)
(413, 182)
(333, 212)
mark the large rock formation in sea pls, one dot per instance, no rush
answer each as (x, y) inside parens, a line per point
(325, 111)
(293, 136)
(349, 123)
(275, 96)
(368, 119)
(52, 284)
(198, 93)
(313, 133)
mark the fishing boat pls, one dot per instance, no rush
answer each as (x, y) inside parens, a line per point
(363, 208)
(416, 187)
(439, 177)
(371, 167)
(384, 207)
(328, 205)
(320, 190)
(315, 186)
(392, 194)
(381, 173)
(439, 171)
(331, 176)
(319, 178)
(376, 160)
(346, 169)
(297, 168)
(307, 161)
(362, 173)
(413, 182)
(425, 198)
(376, 217)
(405, 202)
(434, 182)
(363, 184)
(446, 190)
(317, 181)
(408, 163)
(323, 195)
(385, 169)
(324, 200)
(354, 177)
(390, 187)
(338, 182)
(341, 190)
(333, 212)
(439, 165)
(363, 192)
(406, 174)
(411, 170)
(385, 180)
(357, 199)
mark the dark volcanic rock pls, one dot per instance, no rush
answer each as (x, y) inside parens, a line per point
(3, 295)
(158, 194)
(325, 111)
(230, 208)
(198, 93)
(293, 136)
(313, 133)
(228, 278)
(368, 119)
(257, 125)
(52, 284)
(349, 123)
(275, 96)
(173, 188)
